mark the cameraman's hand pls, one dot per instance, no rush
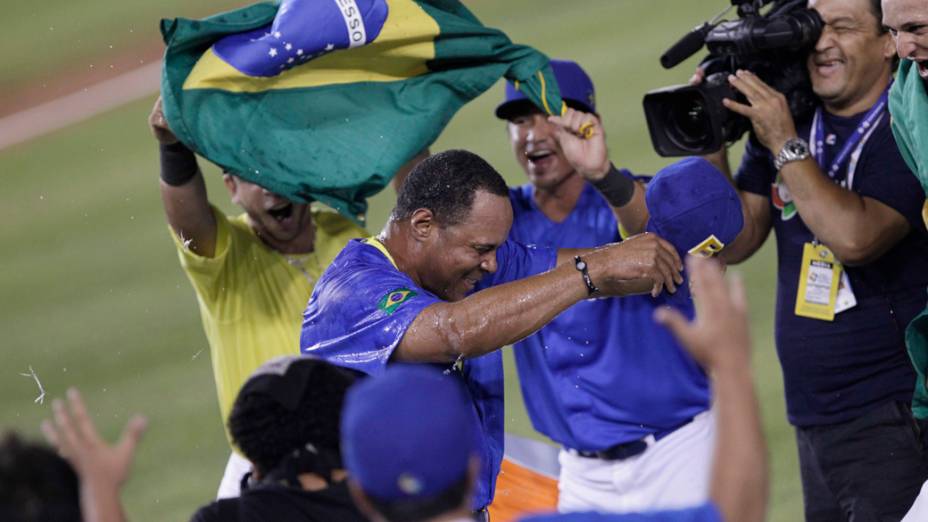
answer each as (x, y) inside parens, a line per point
(637, 265)
(587, 155)
(768, 111)
(159, 125)
(698, 77)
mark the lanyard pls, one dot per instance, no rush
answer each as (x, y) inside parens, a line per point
(850, 152)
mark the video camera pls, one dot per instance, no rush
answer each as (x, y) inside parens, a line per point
(686, 120)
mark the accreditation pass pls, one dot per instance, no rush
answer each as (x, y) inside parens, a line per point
(818, 283)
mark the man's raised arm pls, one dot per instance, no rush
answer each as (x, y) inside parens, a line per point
(183, 191)
(718, 339)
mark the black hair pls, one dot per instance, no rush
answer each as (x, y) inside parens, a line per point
(266, 432)
(446, 183)
(36, 484)
(876, 8)
(425, 508)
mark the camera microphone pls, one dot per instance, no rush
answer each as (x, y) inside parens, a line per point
(689, 45)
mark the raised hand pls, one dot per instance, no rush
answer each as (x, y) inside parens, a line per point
(636, 265)
(101, 468)
(159, 125)
(583, 142)
(768, 110)
(719, 334)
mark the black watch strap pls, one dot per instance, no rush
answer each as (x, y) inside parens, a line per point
(581, 267)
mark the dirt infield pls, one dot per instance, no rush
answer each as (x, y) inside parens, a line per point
(75, 95)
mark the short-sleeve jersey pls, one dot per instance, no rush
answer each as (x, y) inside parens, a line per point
(602, 372)
(362, 306)
(834, 371)
(703, 513)
(251, 297)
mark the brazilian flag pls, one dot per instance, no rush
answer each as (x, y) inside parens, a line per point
(326, 99)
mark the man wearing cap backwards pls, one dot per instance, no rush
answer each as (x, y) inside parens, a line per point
(410, 453)
(851, 250)
(286, 421)
(598, 379)
(408, 295)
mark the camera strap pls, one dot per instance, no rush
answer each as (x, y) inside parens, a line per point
(853, 146)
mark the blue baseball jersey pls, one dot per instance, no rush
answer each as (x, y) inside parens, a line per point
(602, 372)
(703, 513)
(360, 310)
(834, 371)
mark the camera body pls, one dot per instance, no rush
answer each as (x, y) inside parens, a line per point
(688, 120)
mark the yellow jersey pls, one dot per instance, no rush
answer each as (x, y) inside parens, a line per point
(252, 298)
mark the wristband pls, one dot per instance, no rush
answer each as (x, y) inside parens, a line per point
(581, 266)
(178, 164)
(617, 187)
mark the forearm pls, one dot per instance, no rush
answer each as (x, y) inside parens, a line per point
(490, 319)
(720, 161)
(846, 222)
(633, 216)
(100, 502)
(625, 196)
(183, 194)
(755, 210)
(739, 477)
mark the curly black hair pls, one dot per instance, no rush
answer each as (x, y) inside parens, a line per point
(445, 183)
(265, 431)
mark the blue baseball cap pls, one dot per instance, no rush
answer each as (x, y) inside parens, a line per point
(408, 433)
(575, 85)
(694, 207)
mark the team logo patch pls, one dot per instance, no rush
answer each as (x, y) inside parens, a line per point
(782, 200)
(708, 248)
(390, 302)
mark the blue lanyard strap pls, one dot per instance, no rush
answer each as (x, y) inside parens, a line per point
(855, 141)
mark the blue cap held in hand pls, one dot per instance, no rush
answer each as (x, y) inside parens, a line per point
(694, 207)
(408, 434)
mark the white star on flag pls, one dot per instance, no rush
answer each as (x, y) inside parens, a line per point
(290, 60)
(277, 34)
(329, 47)
(272, 53)
(288, 46)
(299, 52)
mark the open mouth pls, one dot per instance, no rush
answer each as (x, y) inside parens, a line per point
(282, 212)
(827, 66)
(922, 67)
(539, 156)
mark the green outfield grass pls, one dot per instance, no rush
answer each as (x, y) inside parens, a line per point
(93, 295)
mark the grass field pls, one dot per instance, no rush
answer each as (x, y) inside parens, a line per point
(93, 295)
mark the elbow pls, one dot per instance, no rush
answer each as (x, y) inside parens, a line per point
(453, 336)
(857, 252)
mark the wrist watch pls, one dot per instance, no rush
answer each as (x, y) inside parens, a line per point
(795, 149)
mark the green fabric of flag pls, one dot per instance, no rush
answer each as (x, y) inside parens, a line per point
(326, 99)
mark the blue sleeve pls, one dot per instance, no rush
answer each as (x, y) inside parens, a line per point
(756, 172)
(356, 318)
(703, 513)
(517, 261)
(884, 176)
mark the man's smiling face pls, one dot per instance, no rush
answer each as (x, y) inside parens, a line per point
(907, 21)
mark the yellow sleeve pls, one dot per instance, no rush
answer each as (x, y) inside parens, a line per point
(204, 272)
